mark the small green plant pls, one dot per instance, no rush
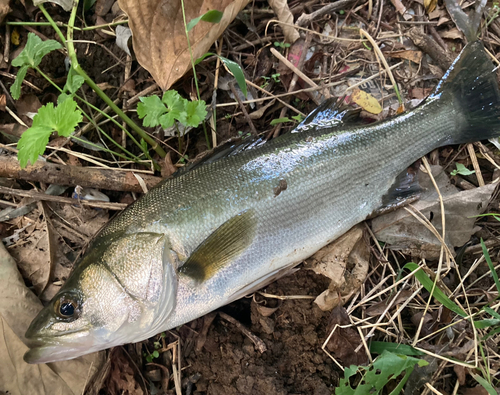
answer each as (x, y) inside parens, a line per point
(462, 170)
(387, 367)
(170, 108)
(281, 45)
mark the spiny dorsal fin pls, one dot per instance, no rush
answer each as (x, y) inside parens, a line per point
(224, 245)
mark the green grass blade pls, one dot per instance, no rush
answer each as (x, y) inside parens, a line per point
(487, 386)
(491, 266)
(428, 284)
(212, 16)
(237, 72)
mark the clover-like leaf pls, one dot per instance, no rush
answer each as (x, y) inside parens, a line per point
(151, 109)
(196, 112)
(33, 143)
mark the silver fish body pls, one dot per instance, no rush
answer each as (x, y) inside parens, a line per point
(215, 233)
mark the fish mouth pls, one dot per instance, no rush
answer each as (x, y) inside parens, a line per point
(58, 347)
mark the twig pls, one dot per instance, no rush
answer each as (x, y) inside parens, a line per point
(306, 19)
(243, 110)
(42, 196)
(430, 47)
(475, 164)
(259, 344)
(116, 180)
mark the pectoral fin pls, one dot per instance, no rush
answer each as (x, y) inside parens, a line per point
(224, 245)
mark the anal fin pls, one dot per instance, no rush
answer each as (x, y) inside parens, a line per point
(224, 245)
(403, 191)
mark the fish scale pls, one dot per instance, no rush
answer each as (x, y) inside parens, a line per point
(221, 230)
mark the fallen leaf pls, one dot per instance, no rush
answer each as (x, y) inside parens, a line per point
(159, 38)
(3, 102)
(430, 5)
(401, 9)
(344, 341)
(18, 306)
(453, 34)
(378, 308)
(280, 8)
(4, 9)
(414, 56)
(345, 262)
(122, 35)
(478, 390)
(402, 231)
(366, 101)
(461, 372)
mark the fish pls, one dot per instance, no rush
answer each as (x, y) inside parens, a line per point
(229, 226)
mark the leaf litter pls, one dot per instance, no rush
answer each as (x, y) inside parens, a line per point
(385, 302)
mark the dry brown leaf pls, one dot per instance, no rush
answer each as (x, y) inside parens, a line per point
(404, 232)
(158, 35)
(332, 261)
(18, 306)
(453, 34)
(378, 308)
(4, 9)
(280, 8)
(3, 102)
(414, 56)
(430, 5)
(366, 101)
(401, 9)
(344, 341)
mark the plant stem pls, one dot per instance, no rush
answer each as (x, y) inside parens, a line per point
(60, 24)
(52, 23)
(193, 66)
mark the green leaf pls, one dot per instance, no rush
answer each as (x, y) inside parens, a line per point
(15, 88)
(237, 72)
(438, 294)
(481, 324)
(487, 386)
(490, 265)
(377, 347)
(212, 16)
(155, 354)
(196, 112)
(151, 108)
(385, 368)
(63, 119)
(462, 170)
(280, 120)
(73, 82)
(32, 143)
(34, 51)
(176, 105)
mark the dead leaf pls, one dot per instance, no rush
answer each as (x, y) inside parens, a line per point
(430, 5)
(478, 390)
(3, 102)
(401, 9)
(280, 8)
(461, 372)
(366, 101)
(18, 306)
(344, 341)
(32, 255)
(159, 38)
(453, 34)
(378, 308)
(414, 56)
(404, 232)
(122, 35)
(345, 262)
(4, 9)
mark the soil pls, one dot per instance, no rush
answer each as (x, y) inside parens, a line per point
(294, 362)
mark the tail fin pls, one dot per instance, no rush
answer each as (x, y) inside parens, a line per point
(472, 84)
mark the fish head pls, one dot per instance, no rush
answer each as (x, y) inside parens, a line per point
(118, 291)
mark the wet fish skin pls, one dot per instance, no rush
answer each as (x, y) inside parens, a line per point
(212, 235)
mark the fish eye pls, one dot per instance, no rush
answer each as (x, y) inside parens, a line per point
(66, 307)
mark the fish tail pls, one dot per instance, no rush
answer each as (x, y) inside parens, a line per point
(472, 84)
